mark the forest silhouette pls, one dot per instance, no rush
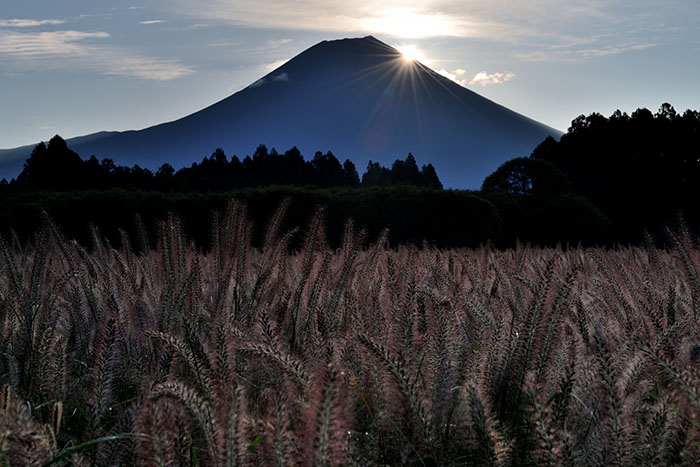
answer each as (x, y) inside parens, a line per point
(641, 170)
(605, 182)
(55, 167)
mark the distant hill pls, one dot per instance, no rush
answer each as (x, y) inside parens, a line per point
(356, 97)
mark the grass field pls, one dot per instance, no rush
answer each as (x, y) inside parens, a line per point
(362, 355)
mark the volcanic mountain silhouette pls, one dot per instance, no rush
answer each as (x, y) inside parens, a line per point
(358, 98)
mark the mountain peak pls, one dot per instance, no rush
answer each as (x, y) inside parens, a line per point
(368, 45)
(370, 39)
(356, 97)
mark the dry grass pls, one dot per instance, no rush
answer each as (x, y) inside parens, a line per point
(360, 356)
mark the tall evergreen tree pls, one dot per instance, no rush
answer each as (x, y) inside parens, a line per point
(352, 178)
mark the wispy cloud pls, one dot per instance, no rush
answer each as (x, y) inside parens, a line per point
(281, 77)
(153, 21)
(146, 68)
(47, 44)
(534, 27)
(224, 44)
(578, 54)
(273, 44)
(28, 23)
(485, 79)
(403, 19)
(613, 50)
(77, 50)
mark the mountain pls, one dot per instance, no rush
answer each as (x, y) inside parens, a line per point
(355, 97)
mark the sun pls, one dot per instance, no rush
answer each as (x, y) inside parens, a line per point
(411, 53)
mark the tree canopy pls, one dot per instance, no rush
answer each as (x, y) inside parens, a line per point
(56, 168)
(639, 169)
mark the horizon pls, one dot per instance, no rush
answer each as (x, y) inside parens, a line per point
(83, 69)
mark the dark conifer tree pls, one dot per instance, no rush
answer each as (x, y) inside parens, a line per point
(53, 167)
(429, 177)
(164, 177)
(405, 172)
(375, 175)
(352, 178)
(328, 171)
(294, 169)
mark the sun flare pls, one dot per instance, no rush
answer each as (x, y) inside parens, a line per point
(412, 23)
(411, 53)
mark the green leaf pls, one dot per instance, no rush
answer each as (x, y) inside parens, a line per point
(66, 453)
(255, 442)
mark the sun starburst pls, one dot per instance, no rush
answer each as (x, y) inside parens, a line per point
(412, 53)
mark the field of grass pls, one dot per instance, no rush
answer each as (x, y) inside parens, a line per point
(362, 355)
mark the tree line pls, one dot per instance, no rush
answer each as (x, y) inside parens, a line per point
(55, 167)
(640, 170)
(605, 182)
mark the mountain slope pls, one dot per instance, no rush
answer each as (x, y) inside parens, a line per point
(356, 97)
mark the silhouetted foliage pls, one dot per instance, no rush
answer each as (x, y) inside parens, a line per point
(328, 170)
(57, 168)
(408, 199)
(604, 182)
(401, 173)
(414, 214)
(376, 175)
(430, 177)
(352, 178)
(640, 170)
(54, 167)
(531, 177)
(537, 204)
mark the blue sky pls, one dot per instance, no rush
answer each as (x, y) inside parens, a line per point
(78, 67)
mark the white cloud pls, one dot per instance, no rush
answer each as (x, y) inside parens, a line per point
(418, 23)
(485, 79)
(282, 77)
(454, 75)
(26, 23)
(73, 50)
(153, 21)
(274, 65)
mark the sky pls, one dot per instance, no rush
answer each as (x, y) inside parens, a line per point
(77, 67)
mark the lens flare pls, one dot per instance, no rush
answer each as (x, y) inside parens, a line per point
(411, 53)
